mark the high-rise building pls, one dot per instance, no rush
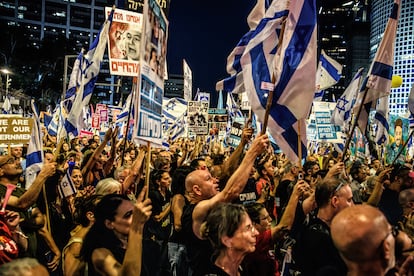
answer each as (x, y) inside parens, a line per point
(174, 86)
(403, 55)
(344, 35)
(78, 21)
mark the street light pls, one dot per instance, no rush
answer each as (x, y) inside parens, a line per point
(8, 80)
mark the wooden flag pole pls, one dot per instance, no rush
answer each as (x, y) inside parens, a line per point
(148, 169)
(134, 87)
(299, 147)
(270, 97)
(403, 147)
(355, 121)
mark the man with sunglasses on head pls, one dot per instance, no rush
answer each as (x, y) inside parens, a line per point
(314, 252)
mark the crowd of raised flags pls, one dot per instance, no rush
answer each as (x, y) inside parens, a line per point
(277, 56)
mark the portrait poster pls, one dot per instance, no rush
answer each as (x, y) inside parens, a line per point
(148, 127)
(124, 42)
(154, 42)
(197, 117)
(397, 135)
(96, 120)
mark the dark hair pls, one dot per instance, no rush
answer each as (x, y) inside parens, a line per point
(326, 188)
(253, 209)
(194, 163)
(83, 206)
(308, 165)
(178, 179)
(99, 236)
(155, 176)
(355, 168)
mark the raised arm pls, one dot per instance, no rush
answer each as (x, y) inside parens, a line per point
(31, 195)
(234, 186)
(135, 170)
(230, 165)
(95, 154)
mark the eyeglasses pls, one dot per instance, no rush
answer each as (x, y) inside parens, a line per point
(394, 232)
(250, 228)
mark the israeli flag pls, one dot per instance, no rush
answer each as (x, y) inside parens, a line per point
(342, 113)
(290, 66)
(378, 81)
(328, 73)
(90, 69)
(34, 157)
(234, 83)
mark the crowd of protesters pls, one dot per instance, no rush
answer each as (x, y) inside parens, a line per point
(206, 211)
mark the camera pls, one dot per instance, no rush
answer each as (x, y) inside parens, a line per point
(300, 176)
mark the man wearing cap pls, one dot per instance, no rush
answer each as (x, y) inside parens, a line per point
(22, 200)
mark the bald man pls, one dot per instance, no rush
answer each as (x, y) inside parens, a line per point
(364, 239)
(203, 193)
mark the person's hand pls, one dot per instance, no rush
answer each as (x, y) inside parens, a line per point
(108, 135)
(384, 177)
(114, 135)
(336, 169)
(142, 209)
(12, 219)
(407, 268)
(54, 263)
(301, 189)
(260, 144)
(87, 191)
(247, 134)
(48, 169)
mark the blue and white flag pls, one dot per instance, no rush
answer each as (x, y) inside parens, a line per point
(290, 66)
(328, 73)
(34, 157)
(173, 109)
(53, 126)
(74, 83)
(234, 83)
(342, 114)
(90, 69)
(7, 107)
(127, 108)
(378, 81)
(381, 121)
(66, 186)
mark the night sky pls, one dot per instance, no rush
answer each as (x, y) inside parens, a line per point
(204, 33)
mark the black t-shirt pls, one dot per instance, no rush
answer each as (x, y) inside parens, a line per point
(315, 253)
(199, 251)
(248, 194)
(160, 230)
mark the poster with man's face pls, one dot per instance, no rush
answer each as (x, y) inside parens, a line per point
(124, 42)
(397, 135)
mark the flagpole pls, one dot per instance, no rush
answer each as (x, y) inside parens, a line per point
(349, 137)
(299, 147)
(134, 87)
(148, 169)
(403, 147)
(270, 97)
